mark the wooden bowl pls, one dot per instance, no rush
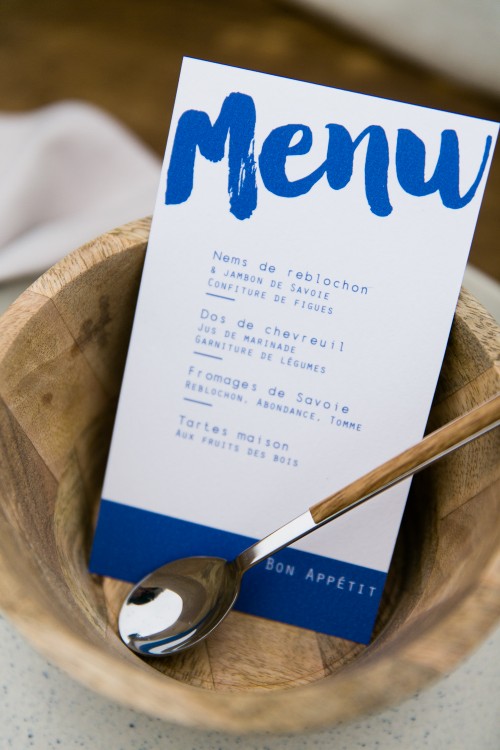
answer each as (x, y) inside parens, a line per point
(62, 349)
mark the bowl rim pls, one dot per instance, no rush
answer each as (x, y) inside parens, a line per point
(307, 707)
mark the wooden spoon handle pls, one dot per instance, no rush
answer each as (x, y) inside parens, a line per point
(413, 459)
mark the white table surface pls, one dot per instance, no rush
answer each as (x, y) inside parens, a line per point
(42, 708)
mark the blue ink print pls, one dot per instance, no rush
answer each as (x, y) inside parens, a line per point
(236, 124)
(338, 165)
(236, 121)
(410, 166)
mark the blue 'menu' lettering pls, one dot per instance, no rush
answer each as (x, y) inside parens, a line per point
(410, 167)
(236, 120)
(337, 166)
(236, 124)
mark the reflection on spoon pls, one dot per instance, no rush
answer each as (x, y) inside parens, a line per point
(179, 604)
(184, 597)
(164, 610)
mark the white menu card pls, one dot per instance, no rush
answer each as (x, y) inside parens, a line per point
(304, 263)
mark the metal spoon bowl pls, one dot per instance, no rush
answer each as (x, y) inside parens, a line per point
(178, 605)
(182, 602)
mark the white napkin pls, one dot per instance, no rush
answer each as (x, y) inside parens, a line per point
(68, 172)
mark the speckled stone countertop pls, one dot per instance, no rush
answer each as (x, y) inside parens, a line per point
(43, 708)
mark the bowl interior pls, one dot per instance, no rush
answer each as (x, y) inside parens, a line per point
(62, 351)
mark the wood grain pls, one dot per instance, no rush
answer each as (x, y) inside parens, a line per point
(62, 349)
(141, 49)
(408, 462)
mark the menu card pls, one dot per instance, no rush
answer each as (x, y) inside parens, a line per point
(304, 263)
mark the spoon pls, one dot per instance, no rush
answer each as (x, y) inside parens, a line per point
(180, 603)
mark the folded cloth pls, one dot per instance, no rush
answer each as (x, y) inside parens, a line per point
(68, 172)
